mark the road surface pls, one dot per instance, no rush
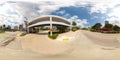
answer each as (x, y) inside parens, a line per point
(108, 40)
(88, 46)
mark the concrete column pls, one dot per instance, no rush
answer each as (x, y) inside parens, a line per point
(26, 25)
(51, 26)
(28, 29)
(71, 26)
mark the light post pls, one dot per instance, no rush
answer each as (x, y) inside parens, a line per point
(26, 25)
(71, 26)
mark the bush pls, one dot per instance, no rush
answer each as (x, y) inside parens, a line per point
(22, 34)
(84, 28)
(61, 29)
(93, 30)
(44, 28)
(2, 31)
(75, 28)
(54, 36)
(116, 28)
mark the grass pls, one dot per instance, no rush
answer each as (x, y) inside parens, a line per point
(3, 35)
(54, 36)
(22, 34)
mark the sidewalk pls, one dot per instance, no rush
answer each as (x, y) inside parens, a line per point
(8, 39)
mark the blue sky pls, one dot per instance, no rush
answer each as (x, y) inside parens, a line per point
(85, 12)
(82, 13)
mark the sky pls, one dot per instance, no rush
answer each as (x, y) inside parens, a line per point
(84, 12)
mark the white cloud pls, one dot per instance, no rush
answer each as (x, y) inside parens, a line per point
(31, 9)
(80, 22)
(35, 8)
(101, 7)
(98, 8)
(7, 15)
(114, 16)
(66, 15)
(115, 12)
(61, 12)
(114, 20)
(43, 7)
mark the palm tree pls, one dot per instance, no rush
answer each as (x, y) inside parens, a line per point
(4, 27)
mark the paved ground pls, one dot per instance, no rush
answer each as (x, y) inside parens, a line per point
(103, 39)
(85, 47)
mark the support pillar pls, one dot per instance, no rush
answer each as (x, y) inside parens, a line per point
(71, 26)
(51, 33)
(28, 30)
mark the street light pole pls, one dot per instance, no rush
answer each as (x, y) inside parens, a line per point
(26, 25)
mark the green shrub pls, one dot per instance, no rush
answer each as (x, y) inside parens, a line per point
(44, 28)
(93, 30)
(84, 28)
(61, 29)
(54, 36)
(75, 28)
(22, 34)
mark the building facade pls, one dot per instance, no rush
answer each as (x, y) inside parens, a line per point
(48, 20)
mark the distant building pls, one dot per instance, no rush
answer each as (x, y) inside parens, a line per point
(105, 29)
(16, 28)
(106, 22)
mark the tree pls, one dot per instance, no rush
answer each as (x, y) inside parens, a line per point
(61, 28)
(4, 27)
(116, 28)
(8, 27)
(96, 26)
(21, 27)
(108, 26)
(74, 23)
(25, 22)
(75, 28)
(16, 28)
(0, 27)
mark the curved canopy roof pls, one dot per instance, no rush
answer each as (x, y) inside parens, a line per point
(45, 20)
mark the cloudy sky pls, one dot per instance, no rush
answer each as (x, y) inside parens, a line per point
(85, 12)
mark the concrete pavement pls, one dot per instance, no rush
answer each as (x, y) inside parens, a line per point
(107, 40)
(84, 48)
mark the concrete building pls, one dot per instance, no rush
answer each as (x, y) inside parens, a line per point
(47, 20)
(106, 22)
